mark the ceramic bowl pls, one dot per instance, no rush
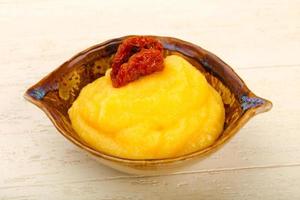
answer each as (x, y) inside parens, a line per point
(55, 93)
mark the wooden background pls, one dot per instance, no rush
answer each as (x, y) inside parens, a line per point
(260, 39)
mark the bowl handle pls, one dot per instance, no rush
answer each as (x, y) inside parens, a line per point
(258, 104)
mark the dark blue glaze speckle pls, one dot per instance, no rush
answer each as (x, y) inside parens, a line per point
(205, 63)
(37, 93)
(250, 102)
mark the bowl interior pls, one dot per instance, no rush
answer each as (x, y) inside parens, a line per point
(56, 92)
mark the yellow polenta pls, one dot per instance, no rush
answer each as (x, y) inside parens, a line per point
(165, 114)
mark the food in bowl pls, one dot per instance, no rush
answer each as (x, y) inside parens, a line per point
(56, 92)
(148, 106)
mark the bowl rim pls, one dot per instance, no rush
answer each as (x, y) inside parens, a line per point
(245, 117)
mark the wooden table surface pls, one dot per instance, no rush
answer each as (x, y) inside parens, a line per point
(260, 39)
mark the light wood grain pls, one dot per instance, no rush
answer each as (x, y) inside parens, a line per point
(271, 183)
(259, 39)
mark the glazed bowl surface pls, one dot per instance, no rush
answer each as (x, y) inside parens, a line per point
(56, 92)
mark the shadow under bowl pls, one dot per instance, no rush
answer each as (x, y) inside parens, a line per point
(55, 94)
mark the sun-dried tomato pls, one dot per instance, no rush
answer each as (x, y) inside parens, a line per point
(136, 57)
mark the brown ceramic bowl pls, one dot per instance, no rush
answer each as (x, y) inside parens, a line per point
(55, 93)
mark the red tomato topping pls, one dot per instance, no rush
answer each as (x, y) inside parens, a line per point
(136, 57)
